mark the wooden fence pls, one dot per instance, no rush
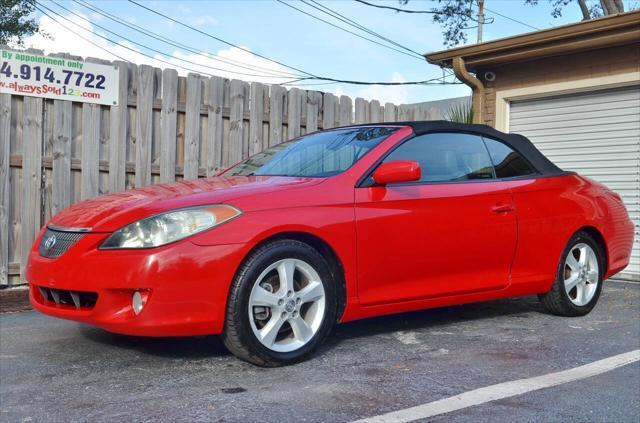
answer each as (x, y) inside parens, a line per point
(166, 127)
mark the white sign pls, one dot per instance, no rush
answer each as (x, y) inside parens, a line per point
(62, 79)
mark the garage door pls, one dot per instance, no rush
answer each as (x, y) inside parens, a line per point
(596, 134)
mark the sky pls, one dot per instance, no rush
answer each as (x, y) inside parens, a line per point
(271, 29)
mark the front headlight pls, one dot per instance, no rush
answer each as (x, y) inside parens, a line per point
(168, 227)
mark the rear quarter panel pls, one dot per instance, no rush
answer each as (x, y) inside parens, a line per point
(550, 210)
(617, 228)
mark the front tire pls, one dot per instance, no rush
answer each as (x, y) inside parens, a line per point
(282, 304)
(579, 278)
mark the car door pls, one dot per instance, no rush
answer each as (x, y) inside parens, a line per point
(544, 226)
(452, 232)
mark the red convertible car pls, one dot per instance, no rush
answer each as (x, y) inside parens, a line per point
(337, 225)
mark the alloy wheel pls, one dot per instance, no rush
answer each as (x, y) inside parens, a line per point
(581, 274)
(287, 305)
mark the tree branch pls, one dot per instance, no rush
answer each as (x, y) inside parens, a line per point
(619, 5)
(585, 10)
(610, 7)
(397, 9)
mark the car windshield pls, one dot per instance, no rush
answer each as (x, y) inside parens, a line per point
(317, 155)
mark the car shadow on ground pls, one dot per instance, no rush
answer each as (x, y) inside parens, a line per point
(211, 346)
(438, 317)
(191, 347)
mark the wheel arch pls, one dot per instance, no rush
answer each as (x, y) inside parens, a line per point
(325, 249)
(597, 236)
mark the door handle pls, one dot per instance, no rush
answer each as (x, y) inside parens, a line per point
(502, 208)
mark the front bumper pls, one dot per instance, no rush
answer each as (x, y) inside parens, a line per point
(187, 286)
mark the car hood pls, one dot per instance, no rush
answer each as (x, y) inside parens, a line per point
(110, 212)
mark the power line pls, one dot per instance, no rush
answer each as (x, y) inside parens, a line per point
(110, 40)
(310, 75)
(218, 39)
(430, 12)
(397, 9)
(149, 48)
(327, 10)
(511, 19)
(78, 35)
(311, 84)
(433, 81)
(436, 12)
(441, 80)
(208, 55)
(425, 82)
(346, 30)
(162, 52)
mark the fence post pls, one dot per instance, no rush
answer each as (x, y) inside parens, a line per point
(361, 110)
(90, 150)
(294, 111)
(314, 104)
(330, 103)
(5, 133)
(61, 172)
(236, 116)
(346, 111)
(31, 177)
(256, 116)
(276, 106)
(216, 128)
(144, 125)
(374, 112)
(118, 132)
(192, 126)
(169, 125)
(390, 113)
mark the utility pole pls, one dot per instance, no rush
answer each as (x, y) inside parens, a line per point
(480, 19)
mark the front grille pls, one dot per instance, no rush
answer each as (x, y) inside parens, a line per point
(77, 299)
(55, 243)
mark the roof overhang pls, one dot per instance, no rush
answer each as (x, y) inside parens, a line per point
(609, 31)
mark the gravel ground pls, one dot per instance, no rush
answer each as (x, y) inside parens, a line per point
(53, 370)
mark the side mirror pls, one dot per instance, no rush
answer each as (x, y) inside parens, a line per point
(397, 171)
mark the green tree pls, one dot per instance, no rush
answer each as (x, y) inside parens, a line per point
(457, 16)
(15, 21)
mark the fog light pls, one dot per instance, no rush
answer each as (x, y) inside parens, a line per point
(137, 302)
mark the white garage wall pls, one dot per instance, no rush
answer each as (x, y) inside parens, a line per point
(596, 134)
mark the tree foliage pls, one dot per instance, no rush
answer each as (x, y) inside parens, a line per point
(589, 11)
(457, 16)
(454, 17)
(15, 20)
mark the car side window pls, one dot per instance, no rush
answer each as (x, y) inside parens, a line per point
(506, 161)
(446, 157)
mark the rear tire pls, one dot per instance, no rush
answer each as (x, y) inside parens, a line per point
(578, 280)
(281, 306)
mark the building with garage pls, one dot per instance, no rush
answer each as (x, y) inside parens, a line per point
(574, 91)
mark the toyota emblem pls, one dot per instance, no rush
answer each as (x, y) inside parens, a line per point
(50, 242)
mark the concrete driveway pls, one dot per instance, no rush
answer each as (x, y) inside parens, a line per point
(54, 370)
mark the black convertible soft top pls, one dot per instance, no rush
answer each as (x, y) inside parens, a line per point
(518, 142)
